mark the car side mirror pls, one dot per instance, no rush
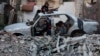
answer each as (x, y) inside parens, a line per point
(29, 22)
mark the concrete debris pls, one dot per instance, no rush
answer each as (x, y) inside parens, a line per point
(86, 45)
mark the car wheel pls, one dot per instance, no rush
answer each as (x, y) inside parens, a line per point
(18, 34)
(77, 33)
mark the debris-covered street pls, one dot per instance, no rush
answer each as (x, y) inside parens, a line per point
(45, 46)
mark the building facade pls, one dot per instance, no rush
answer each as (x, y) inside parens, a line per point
(52, 3)
(79, 8)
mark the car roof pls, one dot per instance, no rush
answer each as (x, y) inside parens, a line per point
(59, 13)
(54, 13)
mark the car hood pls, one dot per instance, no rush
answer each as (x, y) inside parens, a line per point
(17, 26)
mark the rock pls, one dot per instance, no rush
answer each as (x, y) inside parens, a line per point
(22, 41)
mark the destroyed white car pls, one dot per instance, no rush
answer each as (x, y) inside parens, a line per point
(77, 26)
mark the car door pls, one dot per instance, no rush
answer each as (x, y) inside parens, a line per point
(72, 24)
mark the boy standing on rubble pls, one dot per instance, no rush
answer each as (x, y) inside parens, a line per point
(45, 8)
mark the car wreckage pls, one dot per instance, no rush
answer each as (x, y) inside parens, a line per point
(76, 27)
(51, 42)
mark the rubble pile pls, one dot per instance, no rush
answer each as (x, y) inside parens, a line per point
(10, 45)
(15, 46)
(90, 46)
(93, 41)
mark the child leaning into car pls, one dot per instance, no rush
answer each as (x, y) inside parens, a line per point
(60, 28)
